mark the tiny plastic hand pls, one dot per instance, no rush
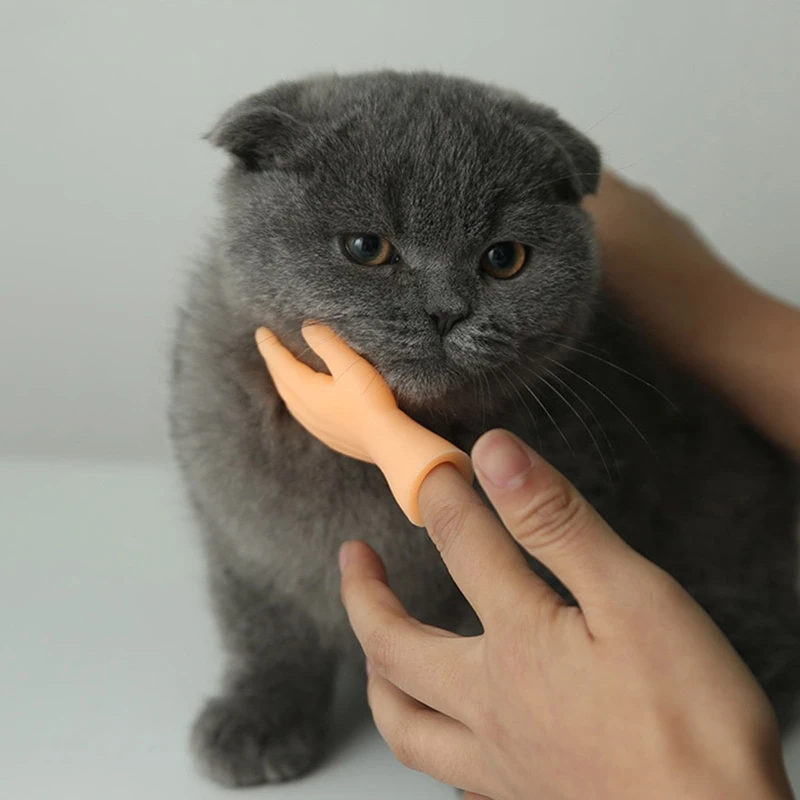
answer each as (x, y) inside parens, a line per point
(354, 412)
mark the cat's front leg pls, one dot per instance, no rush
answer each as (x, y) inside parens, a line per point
(269, 721)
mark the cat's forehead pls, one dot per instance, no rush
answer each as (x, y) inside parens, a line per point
(434, 129)
(433, 168)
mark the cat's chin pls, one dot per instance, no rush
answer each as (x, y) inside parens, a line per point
(446, 395)
(421, 401)
(420, 382)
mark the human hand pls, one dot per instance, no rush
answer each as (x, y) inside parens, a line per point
(354, 412)
(636, 694)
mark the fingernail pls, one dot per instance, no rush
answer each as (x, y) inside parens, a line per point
(344, 556)
(502, 459)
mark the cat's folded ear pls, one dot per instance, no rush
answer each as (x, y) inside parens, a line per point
(577, 160)
(259, 134)
(571, 160)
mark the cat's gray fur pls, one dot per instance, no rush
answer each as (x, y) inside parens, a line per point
(444, 168)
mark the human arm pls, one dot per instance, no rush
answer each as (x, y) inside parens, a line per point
(731, 334)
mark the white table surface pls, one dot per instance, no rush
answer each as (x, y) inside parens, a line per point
(107, 647)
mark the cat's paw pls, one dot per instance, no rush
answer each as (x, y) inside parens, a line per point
(237, 746)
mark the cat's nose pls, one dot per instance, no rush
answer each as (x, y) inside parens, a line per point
(445, 320)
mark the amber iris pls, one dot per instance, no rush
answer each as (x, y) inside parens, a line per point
(504, 259)
(369, 249)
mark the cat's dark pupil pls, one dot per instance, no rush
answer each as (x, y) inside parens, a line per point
(367, 247)
(502, 256)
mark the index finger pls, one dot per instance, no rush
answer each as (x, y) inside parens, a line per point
(481, 556)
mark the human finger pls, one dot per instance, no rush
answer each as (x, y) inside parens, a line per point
(479, 553)
(425, 740)
(433, 666)
(547, 515)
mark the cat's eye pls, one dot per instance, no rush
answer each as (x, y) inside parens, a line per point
(504, 259)
(370, 249)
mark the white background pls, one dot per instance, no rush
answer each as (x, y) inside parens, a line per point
(106, 188)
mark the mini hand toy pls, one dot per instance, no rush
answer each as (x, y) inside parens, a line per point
(353, 411)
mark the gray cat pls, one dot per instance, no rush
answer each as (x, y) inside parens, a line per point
(436, 225)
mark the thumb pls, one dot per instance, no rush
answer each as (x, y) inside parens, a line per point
(551, 520)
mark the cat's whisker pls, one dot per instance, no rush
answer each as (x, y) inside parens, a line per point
(602, 120)
(308, 348)
(524, 405)
(478, 393)
(571, 340)
(545, 184)
(347, 369)
(484, 398)
(534, 367)
(605, 396)
(619, 369)
(629, 165)
(271, 337)
(588, 408)
(371, 381)
(496, 371)
(583, 422)
(549, 415)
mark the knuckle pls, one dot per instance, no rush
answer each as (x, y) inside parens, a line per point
(446, 521)
(551, 517)
(395, 726)
(379, 647)
(665, 589)
(403, 744)
(652, 590)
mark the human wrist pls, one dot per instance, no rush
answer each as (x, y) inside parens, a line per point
(752, 770)
(765, 781)
(758, 783)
